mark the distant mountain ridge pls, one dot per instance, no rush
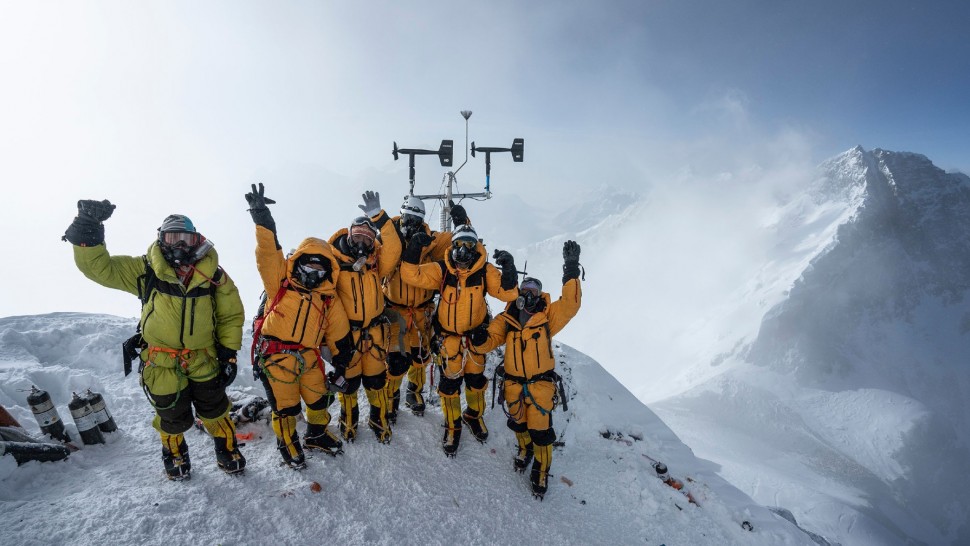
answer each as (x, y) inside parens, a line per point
(863, 363)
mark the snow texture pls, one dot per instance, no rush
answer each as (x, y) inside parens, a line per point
(604, 489)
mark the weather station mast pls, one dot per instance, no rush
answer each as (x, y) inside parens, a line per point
(445, 154)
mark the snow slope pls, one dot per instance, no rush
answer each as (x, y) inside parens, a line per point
(851, 400)
(604, 490)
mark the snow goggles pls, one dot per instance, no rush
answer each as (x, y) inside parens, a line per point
(464, 243)
(362, 239)
(530, 289)
(173, 238)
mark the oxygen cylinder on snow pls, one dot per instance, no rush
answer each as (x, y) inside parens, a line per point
(105, 422)
(46, 414)
(86, 421)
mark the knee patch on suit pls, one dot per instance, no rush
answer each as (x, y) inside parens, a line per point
(475, 381)
(449, 386)
(517, 427)
(374, 382)
(397, 364)
(291, 411)
(543, 437)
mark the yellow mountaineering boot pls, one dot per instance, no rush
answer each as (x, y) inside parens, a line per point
(413, 398)
(524, 455)
(392, 392)
(175, 456)
(472, 416)
(349, 414)
(318, 436)
(378, 414)
(223, 432)
(451, 407)
(288, 442)
(540, 470)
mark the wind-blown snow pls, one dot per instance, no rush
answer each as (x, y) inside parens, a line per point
(604, 490)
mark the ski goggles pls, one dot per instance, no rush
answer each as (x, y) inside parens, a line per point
(173, 238)
(464, 243)
(362, 239)
(529, 288)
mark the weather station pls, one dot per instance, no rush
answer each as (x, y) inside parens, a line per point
(445, 153)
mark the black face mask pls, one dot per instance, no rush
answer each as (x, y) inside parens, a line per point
(181, 254)
(530, 302)
(309, 277)
(463, 256)
(410, 225)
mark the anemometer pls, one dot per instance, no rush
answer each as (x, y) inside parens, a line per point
(445, 153)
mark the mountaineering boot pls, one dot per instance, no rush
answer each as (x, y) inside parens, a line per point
(319, 437)
(288, 442)
(392, 393)
(228, 457)
(524, 454)
(413, 400)
(477, 426)
(175, 456)
(394, 401)
(472, 416)
(223, 433)
(377, 421)
(540, 470)
(349, 414)
(451, 406)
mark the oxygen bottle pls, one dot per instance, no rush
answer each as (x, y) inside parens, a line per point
(105, 421)
(46, 414)
(86, 421)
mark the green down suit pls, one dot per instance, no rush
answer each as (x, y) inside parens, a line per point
(181, 326)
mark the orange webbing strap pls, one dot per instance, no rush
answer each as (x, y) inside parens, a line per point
(179, 355)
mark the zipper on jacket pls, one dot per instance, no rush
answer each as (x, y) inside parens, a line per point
(192, 317)
(182, 323)
(353, 289)
(306, 319)
(296, 319)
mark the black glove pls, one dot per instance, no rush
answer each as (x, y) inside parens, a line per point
(570, 256)
(227, 364)
(458, 215)
(505, 261)
(412, 254)
(87, 228)
(130, 350)
(479, 335)
(258, 210)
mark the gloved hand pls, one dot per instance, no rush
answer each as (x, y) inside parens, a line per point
(570, 256)
(87, 228)
(458, 215)
(227, 364)
(336, 379)
(257, 207)
(372, 203)
(479, 335)
(503, 259)
(412, 254)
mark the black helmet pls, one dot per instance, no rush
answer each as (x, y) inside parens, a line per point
(179, 241)
(310, 270)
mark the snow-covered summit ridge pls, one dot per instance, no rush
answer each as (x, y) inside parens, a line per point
(604, 490)
(857, 371)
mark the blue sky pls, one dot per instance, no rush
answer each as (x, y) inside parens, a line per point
(179, 106)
